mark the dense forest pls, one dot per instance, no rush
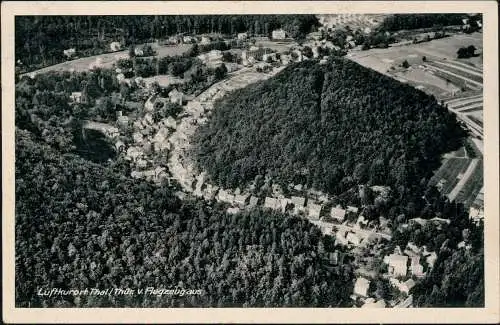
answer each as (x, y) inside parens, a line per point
(415, 21)
(331, 127)
(81, 224)
(40, 40)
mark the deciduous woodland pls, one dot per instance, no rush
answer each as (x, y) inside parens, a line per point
(330, 127)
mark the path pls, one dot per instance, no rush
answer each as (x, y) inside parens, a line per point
(465, 177)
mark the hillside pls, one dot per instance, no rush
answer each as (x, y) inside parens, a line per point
(84, 225)
(330, 127)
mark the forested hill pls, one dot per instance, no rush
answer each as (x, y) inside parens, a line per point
(84, 225)
(415, 21)
(41, 39)
(329, 126)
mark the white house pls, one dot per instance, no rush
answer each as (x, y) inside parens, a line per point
(176, 96)
(187, 39)
(69, 53)
(138, 51)
(338, 214)
(76, 96)
(241, 199)
(476, 214)
(398, 264)
(272, 203)
(205, 40)
(298, 203)
(416, 268)
(242, 36)
(279, 34)
(353, 239)
(225, 196)
(361, 287)
(115, 46)
(313, 210)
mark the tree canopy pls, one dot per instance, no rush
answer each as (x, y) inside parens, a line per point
(330, 127)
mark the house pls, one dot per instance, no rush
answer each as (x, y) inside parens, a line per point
(338, 214)
(123, 121)
(253, 201)
(367, 30)
(133, 153)
(176, 96)
(272, 203)
(205, 40)
(313, 210)
(479, 24)
(298, 203)
(76, 97)
(138, 51)
(115, 46)
(416, 268)
(241, 199)
(278, 34)
(210, 192)
(476, 214)
(187, 39)
(242, 36)
(354, 239)
(340, 239)
(69, 53)
(397, 264)
(170, 122)
(225, 196)
(361, 287)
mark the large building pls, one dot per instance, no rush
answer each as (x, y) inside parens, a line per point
(279, 34)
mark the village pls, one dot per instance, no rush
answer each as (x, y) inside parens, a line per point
(159, 152)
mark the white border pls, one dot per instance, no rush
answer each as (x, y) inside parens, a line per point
(489, 314)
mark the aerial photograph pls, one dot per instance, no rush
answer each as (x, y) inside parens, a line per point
(263, 160)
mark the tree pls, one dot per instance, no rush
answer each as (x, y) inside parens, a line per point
(424, 58)
(405, 64)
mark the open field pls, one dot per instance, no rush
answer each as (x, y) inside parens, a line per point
(449, 170)
(106, 60)
(427, 80)
(465, 72)
(442, 73)
(472, 187)
(164, 80)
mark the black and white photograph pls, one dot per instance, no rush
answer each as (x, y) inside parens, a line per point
(240, 160)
